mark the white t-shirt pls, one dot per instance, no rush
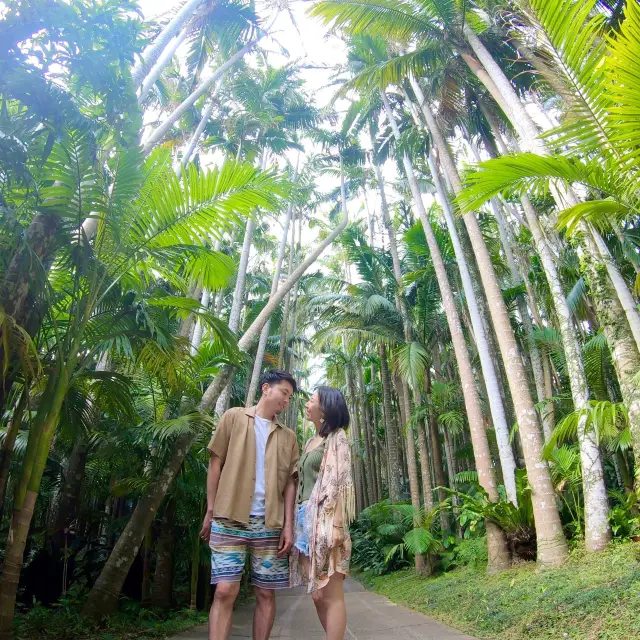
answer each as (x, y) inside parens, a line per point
(262, 428)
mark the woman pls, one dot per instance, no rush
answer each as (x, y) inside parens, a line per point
(326, 505)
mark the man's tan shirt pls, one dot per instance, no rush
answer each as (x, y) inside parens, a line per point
(235, 443)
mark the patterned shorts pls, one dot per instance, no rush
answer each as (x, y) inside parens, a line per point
(231, 541)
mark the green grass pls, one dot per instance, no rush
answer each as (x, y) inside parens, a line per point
(591, 597)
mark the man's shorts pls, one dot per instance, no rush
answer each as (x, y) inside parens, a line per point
(231, 541)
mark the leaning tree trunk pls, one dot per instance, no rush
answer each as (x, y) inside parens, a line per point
(498, 415)
(498, 552)
(155, 49)
(264, 334)
(19, 292)
(552, 545)
(597, 530)
(157, 135)
(156, 70)
(105, 593)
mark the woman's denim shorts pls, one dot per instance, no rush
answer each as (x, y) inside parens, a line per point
(301, 539)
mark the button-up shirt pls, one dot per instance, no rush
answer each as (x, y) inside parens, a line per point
(234, 442)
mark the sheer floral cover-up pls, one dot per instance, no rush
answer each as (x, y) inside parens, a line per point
(333, 490)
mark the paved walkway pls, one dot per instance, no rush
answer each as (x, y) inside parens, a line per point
(369, 616)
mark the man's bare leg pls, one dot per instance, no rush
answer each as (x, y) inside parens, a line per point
(222, 610)
(264, 614)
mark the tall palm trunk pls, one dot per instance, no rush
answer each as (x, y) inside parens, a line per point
(105, 593)
(195, 572)
(156, 70)
(264, 334)
(284, 325)
(496, 406)
(356, 440)
(369, 467)
(238, 293)
(498, 553)
(154, 50)
(552, 546)
(438, 465)
(391, 430)
(507, 460)
(400, 305)
(503, 92)
(597, 530)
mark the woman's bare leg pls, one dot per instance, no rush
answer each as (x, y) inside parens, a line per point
(330, 600)
(318, 601)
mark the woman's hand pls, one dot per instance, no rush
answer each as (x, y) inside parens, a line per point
(338, 536)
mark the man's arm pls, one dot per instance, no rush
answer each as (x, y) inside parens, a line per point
(289, 495)
(213, 478)
(286, 537)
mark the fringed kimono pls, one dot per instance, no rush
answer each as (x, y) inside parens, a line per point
(333, 490)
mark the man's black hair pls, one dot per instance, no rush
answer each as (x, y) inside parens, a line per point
(334, 409)
(273, 376)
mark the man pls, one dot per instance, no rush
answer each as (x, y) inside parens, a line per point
(251, 487)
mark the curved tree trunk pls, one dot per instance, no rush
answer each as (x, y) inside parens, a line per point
(552, 546)
(160, 65)
(264, 334)
(154, 50)
(498, 553)
(105, 593)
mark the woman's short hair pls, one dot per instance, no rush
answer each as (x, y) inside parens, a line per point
(334, 409)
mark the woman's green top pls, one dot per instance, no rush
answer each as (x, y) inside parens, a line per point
(308, 470)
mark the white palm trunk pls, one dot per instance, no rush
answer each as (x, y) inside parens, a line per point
(200, 90)
(155, 49)
(160, 65)
(552, 545)
(498, 554)
(193, 142)
(597, 529)
(498, 415)
(264, 334)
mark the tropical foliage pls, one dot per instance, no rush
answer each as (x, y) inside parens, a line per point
(450, 238)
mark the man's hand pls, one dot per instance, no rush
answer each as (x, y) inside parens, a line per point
(205, 532)
(286, 541)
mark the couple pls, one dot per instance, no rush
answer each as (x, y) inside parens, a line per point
(265, 501)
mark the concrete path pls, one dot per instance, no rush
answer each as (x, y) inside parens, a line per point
(369, 617)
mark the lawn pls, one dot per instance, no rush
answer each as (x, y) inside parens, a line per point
(591, 597)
